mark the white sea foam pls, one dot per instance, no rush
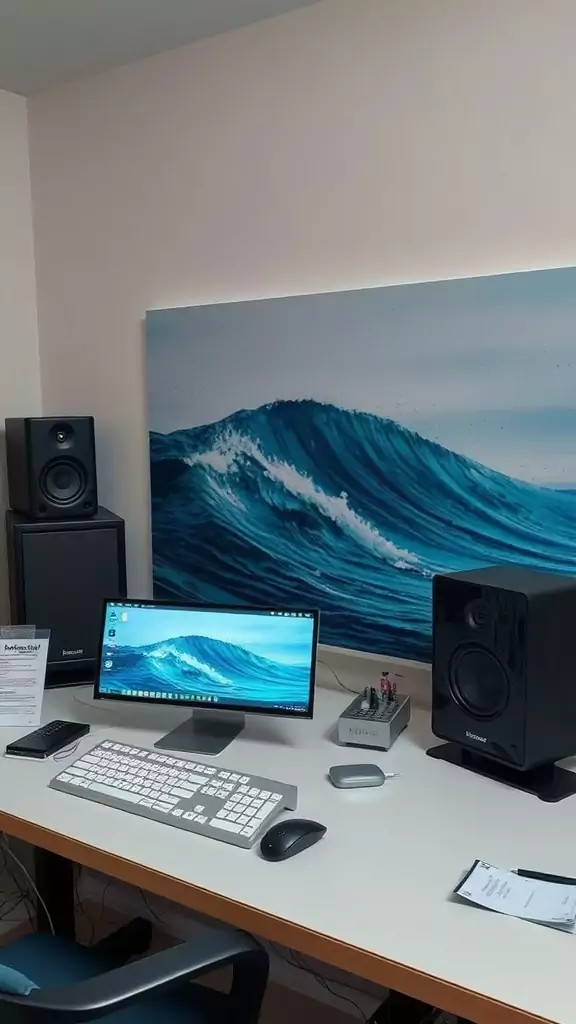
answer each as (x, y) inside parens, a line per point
(169, 650)
(224, 458)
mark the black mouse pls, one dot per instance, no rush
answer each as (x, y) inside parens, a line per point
(289, 837)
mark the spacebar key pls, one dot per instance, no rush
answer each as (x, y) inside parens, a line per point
(228, 826)
(120, 794)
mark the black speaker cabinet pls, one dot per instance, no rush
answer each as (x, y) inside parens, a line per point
(504, 675)
(60, 572)
(51, 466)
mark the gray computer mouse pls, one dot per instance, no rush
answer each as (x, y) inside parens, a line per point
(290, 837)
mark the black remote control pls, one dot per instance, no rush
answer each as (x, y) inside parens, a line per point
(47, 740)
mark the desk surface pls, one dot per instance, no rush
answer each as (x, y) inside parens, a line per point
(373, 896)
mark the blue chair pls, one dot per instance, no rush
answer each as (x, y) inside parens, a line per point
(47, 979)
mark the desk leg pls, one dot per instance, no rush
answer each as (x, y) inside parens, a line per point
(54, 876)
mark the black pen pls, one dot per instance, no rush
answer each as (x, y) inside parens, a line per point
(540, 876)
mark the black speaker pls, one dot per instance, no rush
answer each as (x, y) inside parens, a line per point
(504, 675)
(59, 573)
(51, 466)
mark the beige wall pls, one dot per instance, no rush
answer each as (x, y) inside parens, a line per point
(352, 143)
(19, 360)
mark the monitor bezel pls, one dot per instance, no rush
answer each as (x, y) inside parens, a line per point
(201, 705)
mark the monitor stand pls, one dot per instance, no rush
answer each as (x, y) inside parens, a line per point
(207, 732)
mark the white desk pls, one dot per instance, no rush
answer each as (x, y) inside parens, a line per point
(373, 896)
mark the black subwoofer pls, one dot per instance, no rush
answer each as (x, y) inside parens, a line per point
(51, 463)
(60, 572)
(504, 675)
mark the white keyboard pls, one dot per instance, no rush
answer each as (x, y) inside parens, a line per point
(217, 802)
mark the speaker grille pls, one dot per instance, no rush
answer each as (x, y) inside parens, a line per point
(63, 482)
(478, 682)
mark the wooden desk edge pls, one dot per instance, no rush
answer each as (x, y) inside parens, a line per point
(451, 998)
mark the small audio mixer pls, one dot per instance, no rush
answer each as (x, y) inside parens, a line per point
(374, 719)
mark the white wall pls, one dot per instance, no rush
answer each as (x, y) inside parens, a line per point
(19, 358)
(351, 143)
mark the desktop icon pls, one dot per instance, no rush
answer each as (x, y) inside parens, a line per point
(108, 664)
(111, 632)
(124, 616)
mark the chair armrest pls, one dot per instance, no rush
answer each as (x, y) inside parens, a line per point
(117, 989)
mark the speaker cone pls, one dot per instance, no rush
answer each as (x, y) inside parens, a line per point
(63, 481)
(478, 682)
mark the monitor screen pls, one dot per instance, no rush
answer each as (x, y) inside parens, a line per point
(256, 660)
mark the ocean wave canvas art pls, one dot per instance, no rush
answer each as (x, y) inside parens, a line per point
(335, 451)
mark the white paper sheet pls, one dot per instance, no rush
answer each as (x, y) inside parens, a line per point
(508, 893)
(22, 678)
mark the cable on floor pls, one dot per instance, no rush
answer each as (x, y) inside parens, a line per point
(295, 960)
(6, 847)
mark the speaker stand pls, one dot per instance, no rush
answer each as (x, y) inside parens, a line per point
(547, 782)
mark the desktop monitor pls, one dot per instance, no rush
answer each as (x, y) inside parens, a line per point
(221, 661)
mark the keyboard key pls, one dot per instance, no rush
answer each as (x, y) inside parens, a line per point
(227, 826)
(162, 807)
(64, 777)
(249, 811)
(182, 793)
(254, 792)
(222, 794)
(223, 775)
(146, 802)
(243, 819)
(201, 819)
(178, 812)
(232, 816)
(189, 815)
(265, 794)
(211, 791)
(229, 806)
(222, 814)
(242, 789)
(244, 778)
(276, 796)
(210, 771)
(199, 808)
(120, 794)
(268, 806)
(247, 831)
(234, 777)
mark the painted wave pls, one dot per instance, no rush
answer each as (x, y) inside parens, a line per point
(202, 666)
(300, 503)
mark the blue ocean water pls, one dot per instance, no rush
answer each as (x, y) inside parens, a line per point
(305, 503)
(201, 666)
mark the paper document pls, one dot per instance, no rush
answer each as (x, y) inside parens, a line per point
(508, 893)
(22, 676)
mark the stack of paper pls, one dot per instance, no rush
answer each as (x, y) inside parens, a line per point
(547, 903)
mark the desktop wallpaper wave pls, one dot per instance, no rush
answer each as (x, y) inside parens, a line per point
(315, 497)
(202, 667)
